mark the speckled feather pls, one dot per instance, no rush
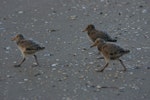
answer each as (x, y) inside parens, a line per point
(110, 52)
(27, 47)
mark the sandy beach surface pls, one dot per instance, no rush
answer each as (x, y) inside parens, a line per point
(67, 65)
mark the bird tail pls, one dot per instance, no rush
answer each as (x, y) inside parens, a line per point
(41, 48)
(113, 40)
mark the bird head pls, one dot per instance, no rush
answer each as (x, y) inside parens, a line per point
(89, 27)
(17, 37)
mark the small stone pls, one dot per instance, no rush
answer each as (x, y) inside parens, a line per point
(90, 53)
(46, 77)
(138, 49)
(52, 30)
(25, 80)
(81, 77)
(54, 65)
(135, 87)
(73, 17)
(46, 22)
(91, 63)
(131, 73)
(83, 7)
(57, 59)
(29, 89)
(64, 78)
(121, 88)
(98, 87)
(8, 76)
(84, 49)
(20, 82)
(144, 11)
(20, 12)
(37, 74)
(46, 41)
(7, 48)
(74, 54)
(15, 62)
(39, 79)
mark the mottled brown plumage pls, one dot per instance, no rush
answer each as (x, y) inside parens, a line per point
(94, 34)
(27, 47)
(110, 52)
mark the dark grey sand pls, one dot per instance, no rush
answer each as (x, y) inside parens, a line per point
(67, 65)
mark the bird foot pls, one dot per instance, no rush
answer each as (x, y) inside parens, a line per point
(100, 57)
(17, 65)
(123, 70)
(35, 65)
(99, 70)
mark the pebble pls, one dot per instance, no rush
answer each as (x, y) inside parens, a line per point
(54, 65)
(83, 7)
(8, 76)
(7, 48)
(138, 49)
(90, 53)
(98, 87)
(39, 79)
(25, 80)
(131, 73)
(29, 89)
(48, 54)
(91, 63)
(57, 59)
(121, 88)
(20, 12)
(82, 77)
(135, 87)
(144, 11)
(73, 17)
(20, 82)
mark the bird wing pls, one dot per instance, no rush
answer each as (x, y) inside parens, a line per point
(29, 45)
(112, 51)
(103, 35)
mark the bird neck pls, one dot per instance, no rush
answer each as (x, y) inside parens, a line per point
(100, 45)
(19, 41)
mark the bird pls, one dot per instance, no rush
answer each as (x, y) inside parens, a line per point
(94, 34)
(109, 51)
(27, 47)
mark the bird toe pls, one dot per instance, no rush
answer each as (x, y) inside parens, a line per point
(17, 65)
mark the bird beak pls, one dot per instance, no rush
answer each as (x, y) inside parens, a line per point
(84, 30)
(95, 44)
(12, 39)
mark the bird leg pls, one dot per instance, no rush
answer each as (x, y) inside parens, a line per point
(36, 59)
(101, 70)
(19, 65)
(122, 65)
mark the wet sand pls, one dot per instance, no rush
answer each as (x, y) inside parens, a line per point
(67, 65)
